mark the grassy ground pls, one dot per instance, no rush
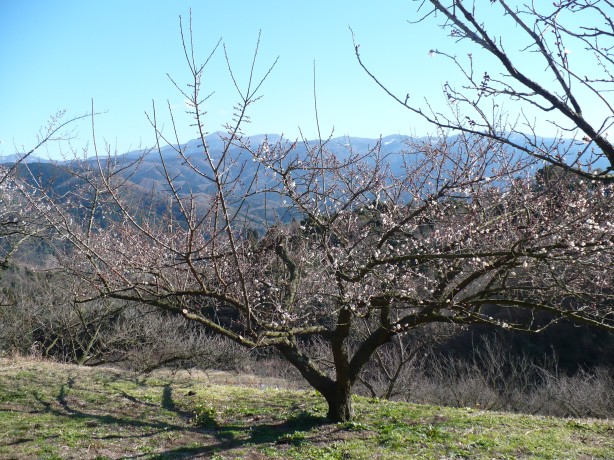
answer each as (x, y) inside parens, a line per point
(60, 411)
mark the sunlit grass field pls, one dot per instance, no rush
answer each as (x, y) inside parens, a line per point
(52, 411)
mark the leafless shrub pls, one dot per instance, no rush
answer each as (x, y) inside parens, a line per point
(146, 340)
(29, 319)
(39, 318)
(585, 394)
(496, 378)
(397, 368)
(272, 365)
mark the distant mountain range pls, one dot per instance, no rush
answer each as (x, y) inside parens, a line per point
(11, 159)
(339, 146)
(146, 178)
(149, 186)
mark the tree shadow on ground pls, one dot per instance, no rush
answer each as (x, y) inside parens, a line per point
(208, 437)
(231, 436)
(93, 418)
(167, 398)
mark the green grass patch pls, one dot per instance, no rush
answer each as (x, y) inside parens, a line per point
(59, 411)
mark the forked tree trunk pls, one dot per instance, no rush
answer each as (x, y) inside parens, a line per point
(338, 394)
(339, 399)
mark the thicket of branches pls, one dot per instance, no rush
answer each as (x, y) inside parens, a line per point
(540, 66)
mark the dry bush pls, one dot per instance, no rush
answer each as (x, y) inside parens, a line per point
(39, 319)
(34, 310)
(272, 366)
(397, 368)
(585, 394)
(496, 378)
(147, 339)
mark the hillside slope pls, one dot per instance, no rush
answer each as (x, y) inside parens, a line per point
(52, 410)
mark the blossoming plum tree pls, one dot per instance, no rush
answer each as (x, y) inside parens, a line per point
(458, 232)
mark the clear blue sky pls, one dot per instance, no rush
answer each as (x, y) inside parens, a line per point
(61, 54)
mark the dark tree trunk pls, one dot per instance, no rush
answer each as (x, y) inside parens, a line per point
(338, 394)
(339, 399)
